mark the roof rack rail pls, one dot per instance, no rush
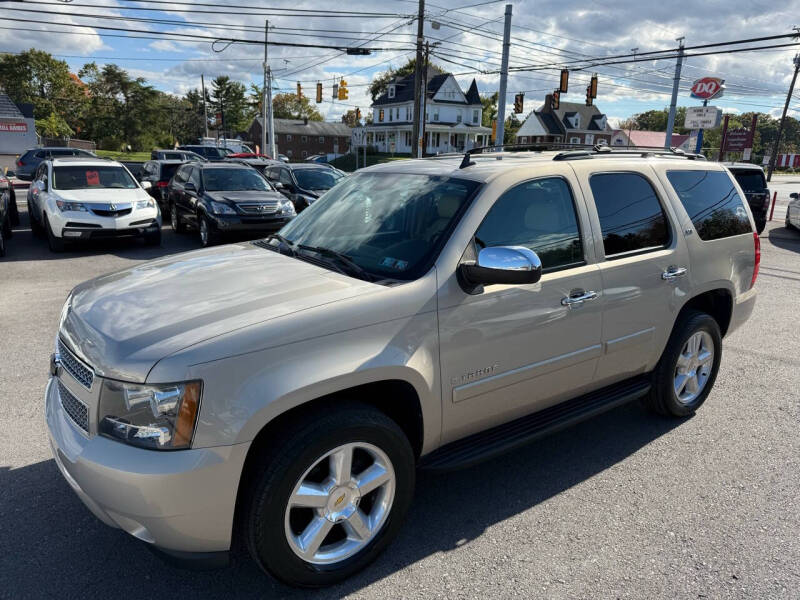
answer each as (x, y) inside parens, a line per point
(643, 151)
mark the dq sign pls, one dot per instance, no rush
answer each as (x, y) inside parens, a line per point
(708, 88)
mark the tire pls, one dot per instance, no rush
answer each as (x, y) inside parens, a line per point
(14, 211)
(761, 224)
(177, 225)
(208, 235)
(788, 222)
(7, 231)
(153, 239)
(36, 226)
(56, 243)
(664, 398)
(2, 243)
(300, 453)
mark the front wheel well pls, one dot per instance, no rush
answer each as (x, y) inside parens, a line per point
(718, 303)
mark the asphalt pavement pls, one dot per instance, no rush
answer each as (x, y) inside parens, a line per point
(627, 505)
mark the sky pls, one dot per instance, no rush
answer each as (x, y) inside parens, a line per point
(467, 35)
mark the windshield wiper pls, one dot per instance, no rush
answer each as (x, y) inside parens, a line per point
(288, 244)
(342, 259)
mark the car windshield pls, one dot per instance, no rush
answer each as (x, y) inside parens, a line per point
(173, 155)
(391, 225)
(234, 180)
(85, 177)
(317, 179)
(750, 180)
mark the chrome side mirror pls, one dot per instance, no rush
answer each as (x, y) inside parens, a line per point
(794, 195)
(510, 265)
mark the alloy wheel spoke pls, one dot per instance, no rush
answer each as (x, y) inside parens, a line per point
(692, 385)
(356, 526)
(371, 478)
(683, 360)
(680, 383)
(705, 357)
(341, 464)
(313, 535)
(311, 495)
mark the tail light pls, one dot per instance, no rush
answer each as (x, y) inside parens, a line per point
(162, 184)
(20, 163)
(766, 200)
(757, 244)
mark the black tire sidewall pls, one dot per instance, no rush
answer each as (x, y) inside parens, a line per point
(691, 323)
(56, 244)
(266, 536)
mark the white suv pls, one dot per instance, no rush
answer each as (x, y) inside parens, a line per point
(81, 198)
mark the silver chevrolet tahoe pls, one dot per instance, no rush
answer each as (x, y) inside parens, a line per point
(422, 314)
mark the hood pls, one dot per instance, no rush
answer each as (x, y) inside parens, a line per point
(103, 195)
(124, 322)
(246, 196)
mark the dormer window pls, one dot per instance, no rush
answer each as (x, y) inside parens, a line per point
(391, 91)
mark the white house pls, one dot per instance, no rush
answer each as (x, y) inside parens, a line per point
(452, 118)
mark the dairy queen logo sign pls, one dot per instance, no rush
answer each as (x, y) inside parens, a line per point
(708, 88)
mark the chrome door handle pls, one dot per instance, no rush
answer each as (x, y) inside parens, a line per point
(577, 299)
(673, 273)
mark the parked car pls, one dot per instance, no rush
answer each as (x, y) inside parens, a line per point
(179, 155)
(211, 153)
(28, 162)
(303, 183)
(85, 198)
(429, 313)
(222, 199)
(754, 184)
(793, 211)
(260, 164)
(5, 214)
(250, 155)
(7, 188)
(317, 158)
(283, 158)
(158, 173)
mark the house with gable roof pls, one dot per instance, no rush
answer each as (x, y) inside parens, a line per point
(570, 123)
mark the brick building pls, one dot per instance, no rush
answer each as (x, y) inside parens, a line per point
(300, 138)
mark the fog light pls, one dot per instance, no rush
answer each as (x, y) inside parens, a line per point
(72, 234)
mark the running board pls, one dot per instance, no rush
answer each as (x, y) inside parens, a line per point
(493, 442)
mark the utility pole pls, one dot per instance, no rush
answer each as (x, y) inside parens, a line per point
(418, 84)
(501, 96)
(205, 110)
(776, 147)
(424, 96)
(264, 94)
(673, 105)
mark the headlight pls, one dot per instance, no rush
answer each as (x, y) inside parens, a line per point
(64, 206)
(149, 203)
(220, 208)
(159, 417)
(287, 208)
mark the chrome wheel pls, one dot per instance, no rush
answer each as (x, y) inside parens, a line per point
(203, 231)
(340, 503)
(694, 366)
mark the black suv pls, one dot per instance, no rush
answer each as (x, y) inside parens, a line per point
(754, 185)
(207, 152)
(225, 198)
(30, 159)
(158, 173)
(303, 183)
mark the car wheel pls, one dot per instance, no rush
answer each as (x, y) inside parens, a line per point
(208, 235)
(36, 226)
(761, 224)
(177, 225)
(7, 232)
(788, 221)
(56, 243)
(327, 495)
(688, 367)
(2, 243)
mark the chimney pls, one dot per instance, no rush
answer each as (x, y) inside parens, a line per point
(305, 120)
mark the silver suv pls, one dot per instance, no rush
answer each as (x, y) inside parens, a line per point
(427, 313)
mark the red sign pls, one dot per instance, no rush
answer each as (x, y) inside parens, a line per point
(92, 178)
(14, 127)
(707, 88)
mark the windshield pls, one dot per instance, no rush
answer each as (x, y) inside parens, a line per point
(750, 180)
(392, 225)
(234, 180)
(173, 155)
(91, 177)
(317, 179)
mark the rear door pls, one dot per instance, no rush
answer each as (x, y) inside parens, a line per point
(643, 262)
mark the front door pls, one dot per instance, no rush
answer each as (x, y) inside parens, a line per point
(515, 349)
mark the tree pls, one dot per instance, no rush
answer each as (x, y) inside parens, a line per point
(35, 77)
(350, 119)
(656, 120)
(228, 99)
(53, 127)
(289, 106)
(510, 129)
(489, 109)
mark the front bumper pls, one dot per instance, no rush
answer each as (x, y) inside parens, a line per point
(138, 229)
(79, 225)
(182, 502)
(236, 224)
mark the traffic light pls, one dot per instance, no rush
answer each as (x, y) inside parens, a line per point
(343, 90)
(319, 92)
(564, 80)
(494, 129)
(299, 91)
(556, 100)
(358, 114)
(593, 86)
(518, 100)
(589, 95)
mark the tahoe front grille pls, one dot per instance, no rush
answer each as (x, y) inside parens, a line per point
(77, 410)
(74, 366)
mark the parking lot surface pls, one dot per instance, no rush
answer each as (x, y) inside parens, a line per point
(626, 505)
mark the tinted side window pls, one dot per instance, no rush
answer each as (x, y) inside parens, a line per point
(711, 201)
(631, 217)
(195, 178)
(539, 215)
(750, 180)
(285, 176)
(182, 175)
